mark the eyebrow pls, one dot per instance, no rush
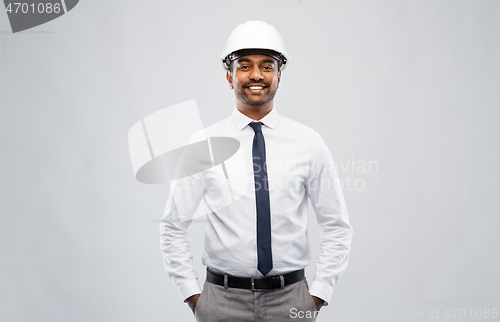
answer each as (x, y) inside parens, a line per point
(268, 61)
(246, 60)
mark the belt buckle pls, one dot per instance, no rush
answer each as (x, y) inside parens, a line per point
(252, 284)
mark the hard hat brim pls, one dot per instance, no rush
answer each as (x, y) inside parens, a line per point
(226, 61)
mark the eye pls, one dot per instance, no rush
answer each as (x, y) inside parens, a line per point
(268, 68)
(243, 67)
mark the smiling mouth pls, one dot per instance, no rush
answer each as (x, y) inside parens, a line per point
(256, 87)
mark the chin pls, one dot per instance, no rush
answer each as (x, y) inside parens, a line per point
(256, 104)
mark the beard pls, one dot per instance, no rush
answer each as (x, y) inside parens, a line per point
(251, 100)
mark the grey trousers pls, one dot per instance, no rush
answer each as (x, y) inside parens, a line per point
(292, 303)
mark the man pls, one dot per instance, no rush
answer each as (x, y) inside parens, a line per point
(256, 248)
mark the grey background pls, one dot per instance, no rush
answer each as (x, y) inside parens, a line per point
(410, 85)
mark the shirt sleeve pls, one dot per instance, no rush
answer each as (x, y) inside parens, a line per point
(325, 192)
(183, 200)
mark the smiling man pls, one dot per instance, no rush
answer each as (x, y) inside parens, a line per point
(256, 249)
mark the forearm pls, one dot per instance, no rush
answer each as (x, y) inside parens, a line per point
(332, 259)
(174, 237)
(325, 192)
(178, 261)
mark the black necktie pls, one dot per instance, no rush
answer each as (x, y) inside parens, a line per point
(264, 254)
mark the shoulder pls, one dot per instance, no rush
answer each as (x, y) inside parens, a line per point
(218, 128)
(309, 137)
(298, 128)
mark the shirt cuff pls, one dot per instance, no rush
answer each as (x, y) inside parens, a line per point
(189, 288)
(321, 290)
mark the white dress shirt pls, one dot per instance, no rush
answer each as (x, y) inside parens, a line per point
(299, 167)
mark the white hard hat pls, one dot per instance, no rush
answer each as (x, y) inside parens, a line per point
(255, 35)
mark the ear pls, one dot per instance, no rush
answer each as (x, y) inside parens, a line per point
(229, 77)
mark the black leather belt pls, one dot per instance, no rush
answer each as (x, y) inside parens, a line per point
(255, 283)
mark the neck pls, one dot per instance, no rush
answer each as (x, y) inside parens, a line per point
(255, 112)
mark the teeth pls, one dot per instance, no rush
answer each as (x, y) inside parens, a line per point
(255, 87)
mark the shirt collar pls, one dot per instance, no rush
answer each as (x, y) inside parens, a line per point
(241, 120)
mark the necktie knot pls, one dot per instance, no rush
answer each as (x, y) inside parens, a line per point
(256, 126)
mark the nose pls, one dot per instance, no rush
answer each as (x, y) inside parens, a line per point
(256, 74)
